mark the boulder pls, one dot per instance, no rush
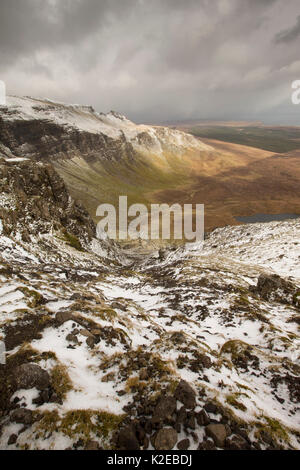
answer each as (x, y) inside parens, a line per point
(21, 416)
(218, 433)
(164, 408)
(186, 394)
(91, 341)
(166, 439)
(210, 407)
(29, 376)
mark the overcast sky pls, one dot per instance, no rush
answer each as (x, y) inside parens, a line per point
(156, 60)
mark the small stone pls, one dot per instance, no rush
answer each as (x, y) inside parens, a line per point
(91, 341)
(127, 439)
(12, 439)
(181, 415)
(146, 443)
(166, 439)
(144, 374)
(140, 433)
(191, 423)
(86, 333)
(202, 418)
(108, 377)
(210, 407)
(186, 394)
(119, 306)
(184, 444)
(218, 433)
(236, 442)
(21, 416)
(207, 445)
(148, 427)
(177, 427)
(96, 332)
(72, 338)
(91, 445)
(63, 317)
(228, 430)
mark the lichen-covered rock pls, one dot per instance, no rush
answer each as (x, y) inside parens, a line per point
(164, 408)
(186, 394)
(29, 376)
(166, 439)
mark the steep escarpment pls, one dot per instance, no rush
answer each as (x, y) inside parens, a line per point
(48, 141)
(99, 156)
(102, 156)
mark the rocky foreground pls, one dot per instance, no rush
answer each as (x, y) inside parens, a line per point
(106, 348)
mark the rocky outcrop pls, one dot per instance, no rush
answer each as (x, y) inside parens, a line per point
(273, 287)
(47, 141)
(34, 200)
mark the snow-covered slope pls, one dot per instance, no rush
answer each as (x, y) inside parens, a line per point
(199, 344)
(112, 125)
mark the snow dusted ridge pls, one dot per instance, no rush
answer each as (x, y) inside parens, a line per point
(196, 347)
(113, 125)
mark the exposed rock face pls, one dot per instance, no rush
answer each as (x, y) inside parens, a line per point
(44, 130)
(45, 140)
(29, 376)
(88, 149)
(35, 200)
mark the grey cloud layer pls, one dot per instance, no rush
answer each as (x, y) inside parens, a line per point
(157, 59)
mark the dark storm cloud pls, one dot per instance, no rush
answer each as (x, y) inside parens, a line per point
(154, 59)
(290, 34)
